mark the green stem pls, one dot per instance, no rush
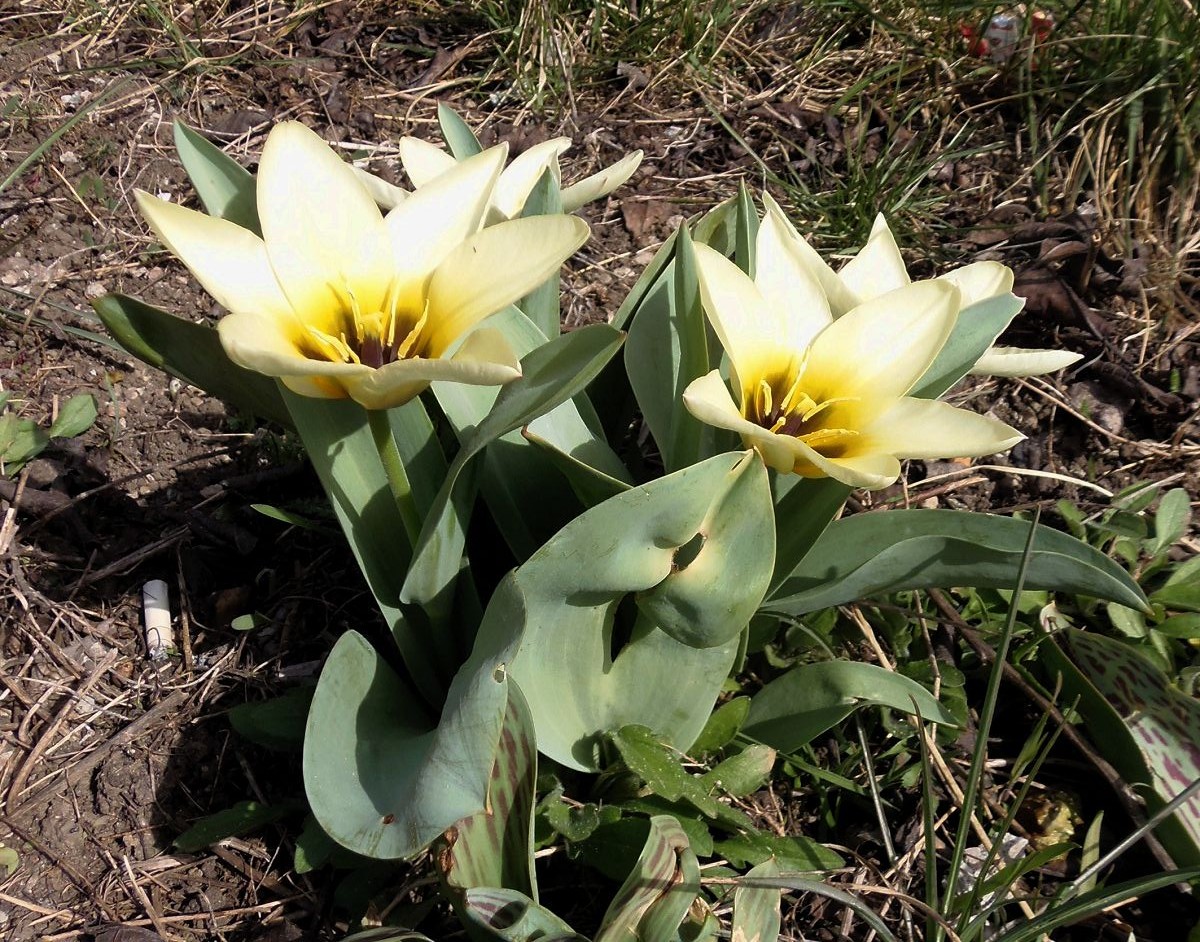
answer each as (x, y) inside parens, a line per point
(393, 467)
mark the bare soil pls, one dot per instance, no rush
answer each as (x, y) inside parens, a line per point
(106, 756)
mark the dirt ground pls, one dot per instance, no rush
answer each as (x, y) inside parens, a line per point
(106, 756)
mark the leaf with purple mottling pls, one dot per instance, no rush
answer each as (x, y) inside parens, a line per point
(1141, 724)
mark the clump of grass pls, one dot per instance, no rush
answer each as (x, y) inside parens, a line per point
(548, 48)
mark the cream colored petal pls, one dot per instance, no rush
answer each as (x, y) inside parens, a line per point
(422, 161)
(269, 346)
(870, 471)
(883, 346)
(484, 359)
(386, 195)
(878, 268)
(708, 399)
(752, 333)
(837, 294)
(315, 387)
(324, 233)
(521, 176)
(436, 218)
(229, 261)
(494, 268)
(1015, 361)
(787, 284)
(601, 183)
(925, 428)
(980, 281)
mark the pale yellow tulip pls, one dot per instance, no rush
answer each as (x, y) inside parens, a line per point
(339, 300)
(424, 162)
(822, 396)
(879, 268)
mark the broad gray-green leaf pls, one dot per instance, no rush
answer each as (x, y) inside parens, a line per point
(191, 352)
(590, 484)
(225, 187)
(459, 137)
(277, 723)
(709, 597)
(976, 329)
(542, 305)
(718, 227)
(756, 910)
(890, 551)
(552, 373)
(383, 776)
(806, 701)
(656, 895)
(494, 847)
(803, 509)
(641, 541)
(745, 231)
(668, 348)
(76, 416)
(343, 452)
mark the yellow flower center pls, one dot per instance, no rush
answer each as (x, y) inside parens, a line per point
(372, 338)
(799, 413)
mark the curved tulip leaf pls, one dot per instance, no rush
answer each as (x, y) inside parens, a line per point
(494, 847)
(976, 329)
(756, 909)
(591, 485)
(657, 894)
(801, 884)
(812, 698)
(387, 934)
(543, 304)
(875, 553)
(718, 578)
(668, 347)
(510, 916)
(803, 509)
(382, 776)
(521, 478)
(343, 452)
(190, 352)
(1147, 729)
(589, 583)
(225, 187)
(718, 227)
(459, 137)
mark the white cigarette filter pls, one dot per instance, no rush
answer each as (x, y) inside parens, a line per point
(156, 606)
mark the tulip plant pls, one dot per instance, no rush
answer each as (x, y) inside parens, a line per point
(381, 324)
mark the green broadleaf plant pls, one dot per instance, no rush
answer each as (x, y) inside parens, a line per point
(627, 600)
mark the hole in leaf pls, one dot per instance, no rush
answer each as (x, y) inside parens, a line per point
(624, 618)
(686, 554)
(499, 673)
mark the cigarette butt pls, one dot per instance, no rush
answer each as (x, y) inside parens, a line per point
(156, 606)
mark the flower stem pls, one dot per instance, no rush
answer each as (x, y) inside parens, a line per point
(393, 467)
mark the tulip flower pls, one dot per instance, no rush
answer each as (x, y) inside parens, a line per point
(879, 268)
(425, 162)
(338, 300)
(822, 396)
